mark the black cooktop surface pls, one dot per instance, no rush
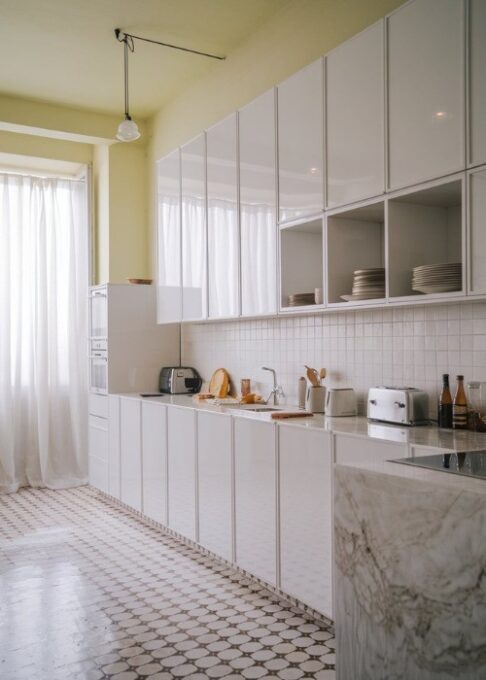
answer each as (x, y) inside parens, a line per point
(467, 463)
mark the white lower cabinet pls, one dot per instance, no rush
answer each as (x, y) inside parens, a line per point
(255, 498)
(181, 452)
(349, 450)
(130, 452)
(306, 524)
(98, 452)
(114, 446)
(215, 471)
(154, 461)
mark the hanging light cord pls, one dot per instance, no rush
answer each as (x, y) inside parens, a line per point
(130, 37)
(127, 45)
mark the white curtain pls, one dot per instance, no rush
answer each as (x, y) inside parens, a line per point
(43, 330)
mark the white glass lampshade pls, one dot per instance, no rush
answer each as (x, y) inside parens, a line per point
(128, 131)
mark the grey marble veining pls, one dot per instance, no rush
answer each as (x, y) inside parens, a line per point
(410, 578)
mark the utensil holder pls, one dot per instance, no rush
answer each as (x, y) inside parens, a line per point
(316, 399)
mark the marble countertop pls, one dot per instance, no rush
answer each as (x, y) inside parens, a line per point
(359, 426)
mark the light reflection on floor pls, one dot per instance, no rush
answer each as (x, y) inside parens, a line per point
(87, 591)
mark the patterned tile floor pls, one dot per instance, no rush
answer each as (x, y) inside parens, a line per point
(88, 591)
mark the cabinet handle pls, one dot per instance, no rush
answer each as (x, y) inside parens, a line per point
(373, 401)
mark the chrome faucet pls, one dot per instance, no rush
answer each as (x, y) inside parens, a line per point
(277, 390)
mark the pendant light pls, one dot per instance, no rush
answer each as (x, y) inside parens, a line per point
(128, 129)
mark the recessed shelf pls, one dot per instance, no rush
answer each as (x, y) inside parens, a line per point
(355, 240)
(424, 227)
(301, 260)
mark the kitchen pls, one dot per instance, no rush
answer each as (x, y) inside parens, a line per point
(374, 227)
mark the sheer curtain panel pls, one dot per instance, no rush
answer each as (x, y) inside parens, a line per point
(43, 328)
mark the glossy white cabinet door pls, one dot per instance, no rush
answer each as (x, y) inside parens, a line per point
(193, 220)
(349, 450)
(215, 452)
(114, 445)
(257, 206)
(169, 299)
(181, 452)
(98, 452)
(154, 461)
(306, 522)
(300, 143)
(477, 42)
(223, 230)
(255, 497)
(355, 118)
(425, 91)
(131, 452)
(477, 230)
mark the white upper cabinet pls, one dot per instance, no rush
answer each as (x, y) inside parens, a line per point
(223, 229)
(300, 144)
(355, 118)
(477, 82)
(257, 206)
(193, 220)
(477, 231)
(425, 91)
(168, 239)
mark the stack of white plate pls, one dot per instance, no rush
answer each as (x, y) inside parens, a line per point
(437, 278)
(301, 299)
(367, 284)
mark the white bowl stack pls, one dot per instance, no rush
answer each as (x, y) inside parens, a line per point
(437, 278)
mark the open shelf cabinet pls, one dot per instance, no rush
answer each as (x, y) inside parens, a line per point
(355, 240)
(425, 227)
(301, 261)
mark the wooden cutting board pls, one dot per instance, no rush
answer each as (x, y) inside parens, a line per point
(283, 415)
(219, 383)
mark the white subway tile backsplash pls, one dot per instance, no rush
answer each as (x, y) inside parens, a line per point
(406, 345)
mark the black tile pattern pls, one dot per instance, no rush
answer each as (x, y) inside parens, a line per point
(89, 591)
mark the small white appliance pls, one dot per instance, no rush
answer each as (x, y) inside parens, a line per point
(340, 402)
(403, 405)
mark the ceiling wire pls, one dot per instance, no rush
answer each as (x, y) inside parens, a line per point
(128, 39)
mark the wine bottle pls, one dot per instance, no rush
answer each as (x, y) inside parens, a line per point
(445, 404)
(459, 406)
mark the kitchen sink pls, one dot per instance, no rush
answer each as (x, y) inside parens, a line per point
(255, 407)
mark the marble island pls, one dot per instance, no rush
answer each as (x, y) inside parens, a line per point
(410, 577)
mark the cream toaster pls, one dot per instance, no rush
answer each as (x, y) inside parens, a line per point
(340, 402)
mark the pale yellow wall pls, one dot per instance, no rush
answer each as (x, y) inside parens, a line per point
(128, 205)
(41, 147)
(120, 203)
(302, 32)
(101, 213)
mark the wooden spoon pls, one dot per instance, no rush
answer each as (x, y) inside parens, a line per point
(322, 373)
(313, 376)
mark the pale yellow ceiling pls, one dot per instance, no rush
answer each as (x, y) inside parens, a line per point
(65, 52)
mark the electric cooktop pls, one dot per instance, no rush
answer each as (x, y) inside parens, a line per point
(467, 463)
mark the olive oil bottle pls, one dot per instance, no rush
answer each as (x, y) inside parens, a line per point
(459, 406)
(445, 404)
